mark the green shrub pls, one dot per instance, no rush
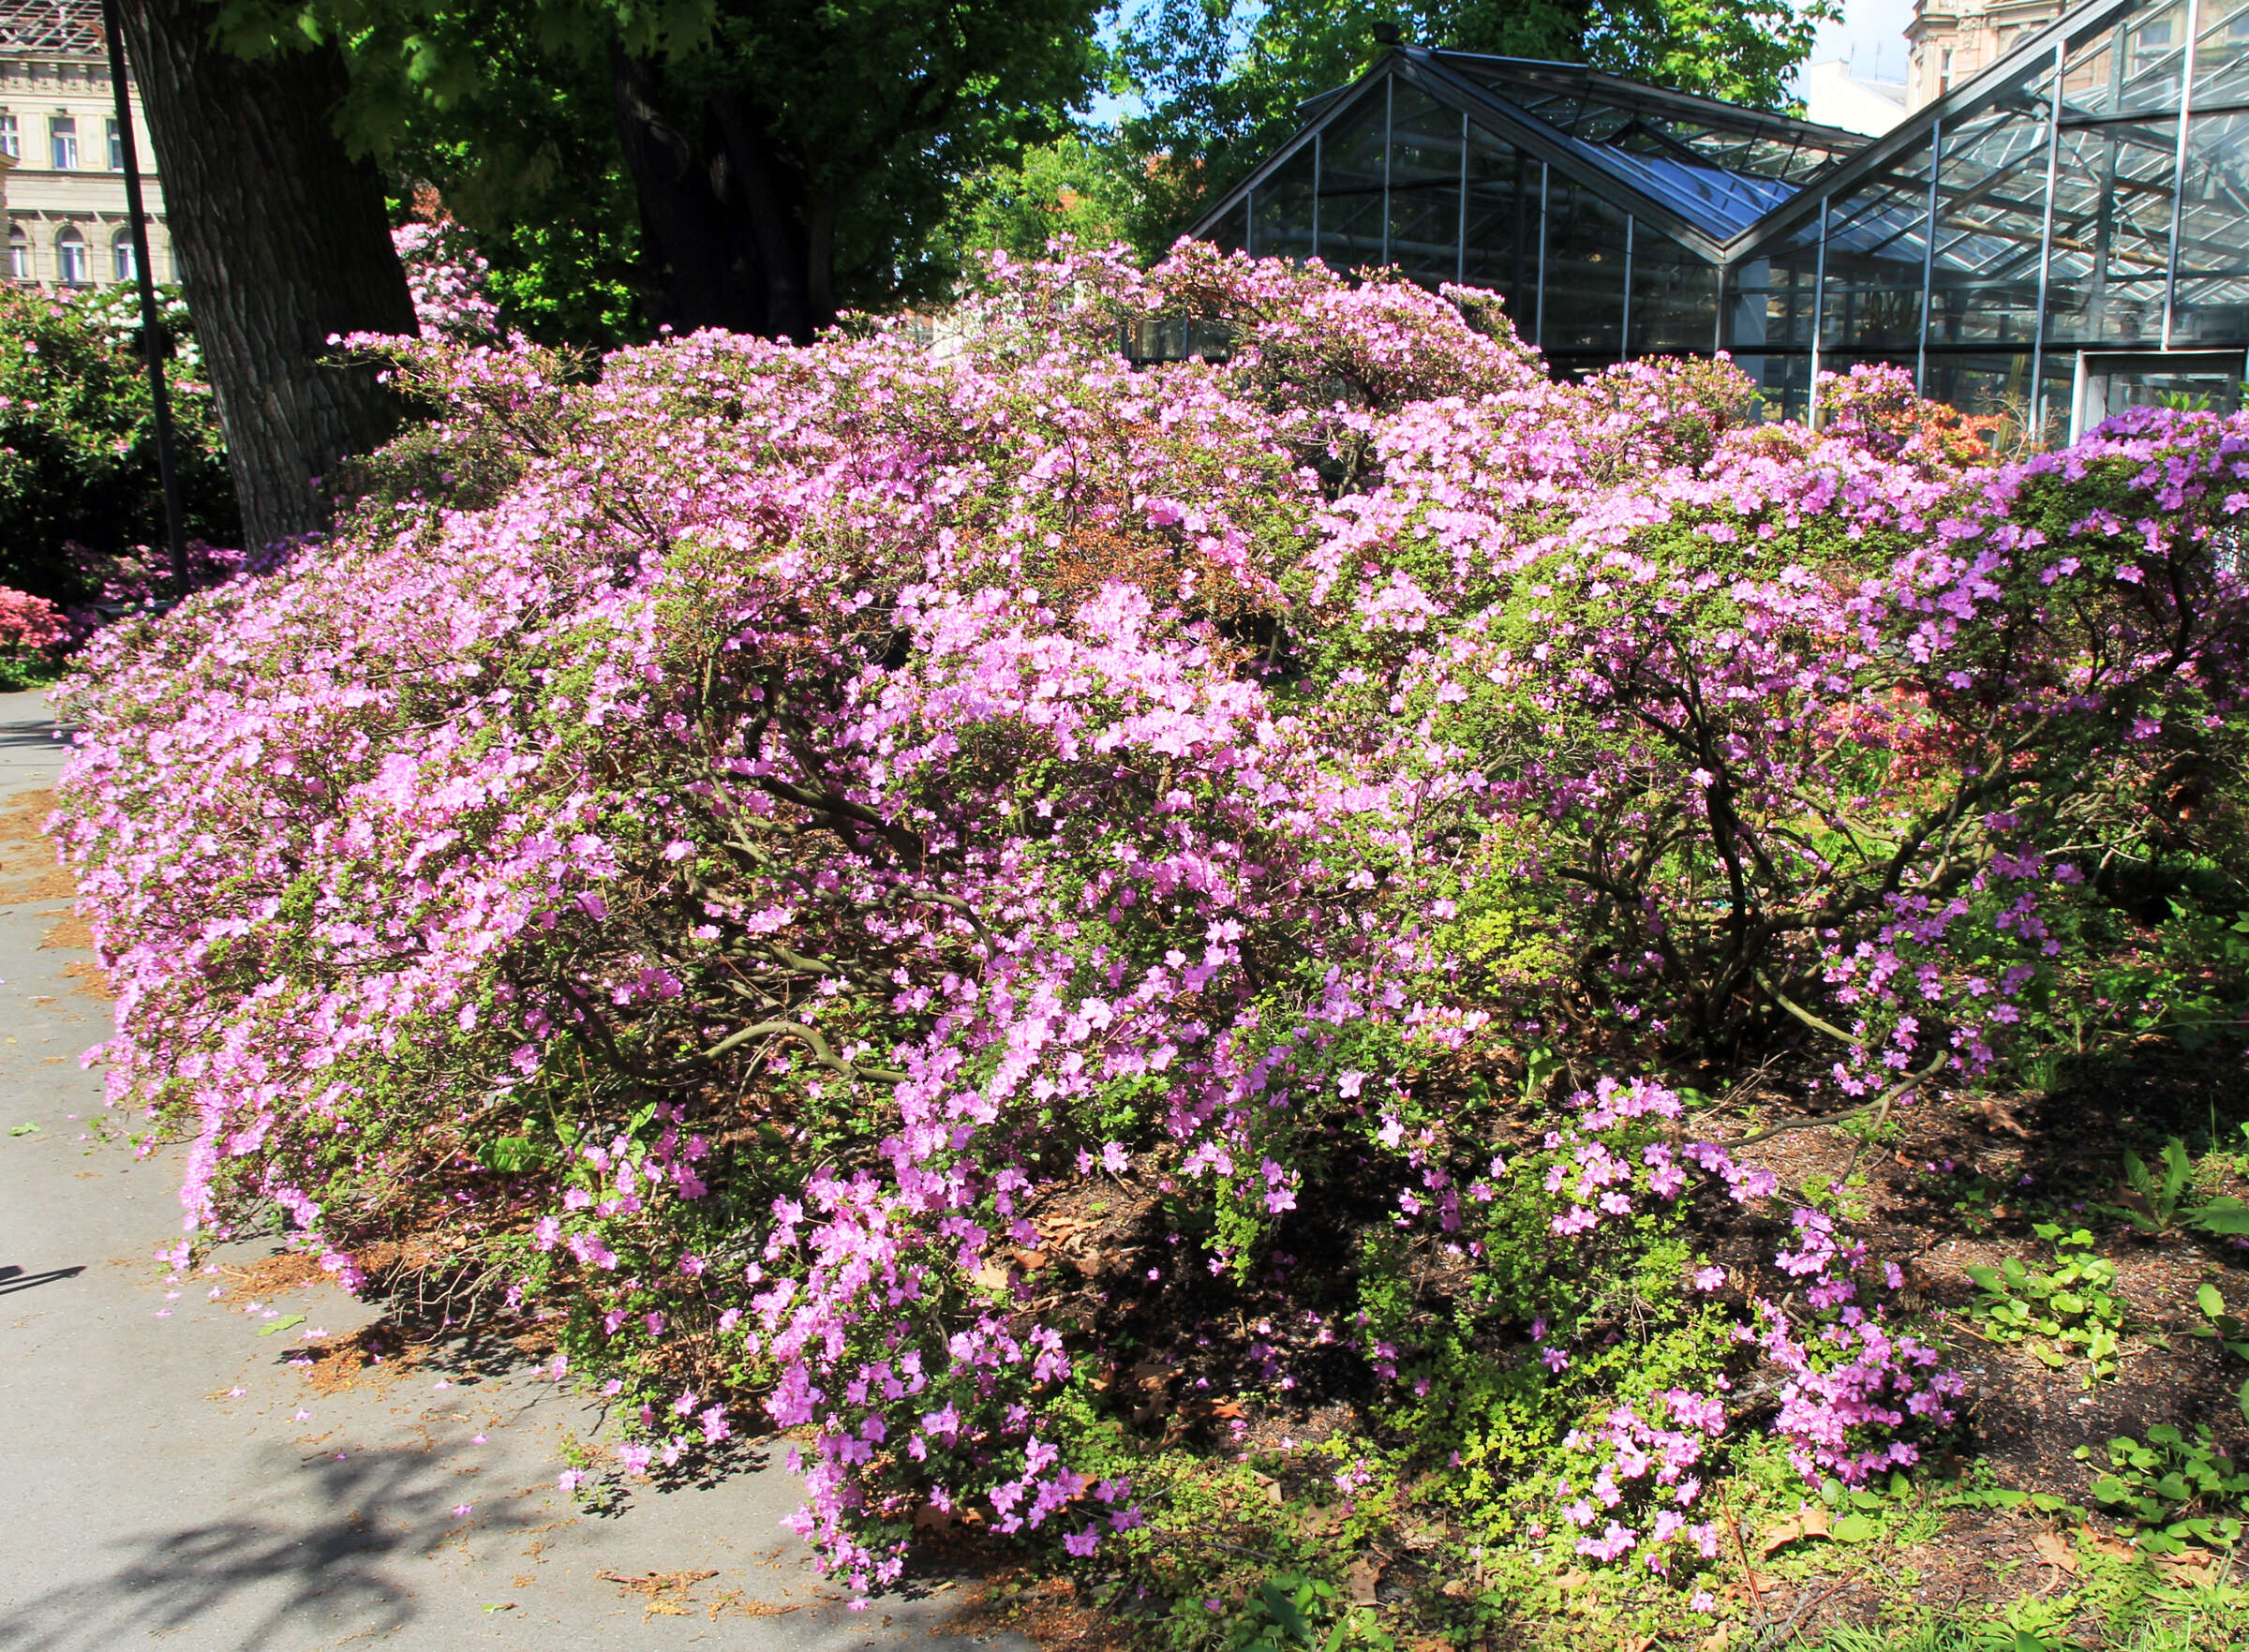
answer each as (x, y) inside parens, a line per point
(78, 483)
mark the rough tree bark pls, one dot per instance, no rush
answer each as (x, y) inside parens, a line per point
(282, 240)
(735, 237)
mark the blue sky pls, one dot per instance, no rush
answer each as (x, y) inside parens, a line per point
(1871, 35)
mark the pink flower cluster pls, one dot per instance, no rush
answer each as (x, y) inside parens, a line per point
(1855, 1385)
(1650, 1451)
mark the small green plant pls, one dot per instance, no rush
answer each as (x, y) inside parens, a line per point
(2072, 1308)
(2176, 1491)
(2224, 1215)
(1290, 1613)
(2224, 1326)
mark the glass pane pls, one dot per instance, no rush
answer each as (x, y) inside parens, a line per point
(1585, 273)
(1350, 183)
(1282, 227)
(2133, 68)
(1769, 296)
(2111, 383)
(1424, 187)
(1991, 220)
(2210, 304)
(1877, 246)
(2153, 59)
(1503, 227)
(2222, 53)
(1675, 296)
(1231, 232)
(2112, 229)
(1981, 383)
(1784, 385)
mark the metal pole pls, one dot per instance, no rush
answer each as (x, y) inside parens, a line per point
(1818, 318)
(1929, 254)
(1461, 237)
(1545, 177)
(1624, 323)
(2186, 110)
(152, 332)
(1390, 139)
(2045, 246)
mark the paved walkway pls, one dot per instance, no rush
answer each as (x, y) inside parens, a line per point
(168, 1475)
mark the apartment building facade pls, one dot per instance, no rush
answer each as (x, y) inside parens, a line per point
(67, 225)
(1951, 41)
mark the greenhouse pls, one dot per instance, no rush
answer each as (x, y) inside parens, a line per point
(2061, 236)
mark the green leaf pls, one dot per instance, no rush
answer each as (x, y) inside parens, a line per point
(284, 1323)
(2213, 1303)
(2243, 1398)
(2227, 1218)
(1853, 1528)
(2179, 1167)
(22, 1129)
(1280, 1605)
(510, 1156)
(1988, 1278)
(2136, 1172)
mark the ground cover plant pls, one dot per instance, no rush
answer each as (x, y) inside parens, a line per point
(1210, 972)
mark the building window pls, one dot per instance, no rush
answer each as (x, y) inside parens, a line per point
(18, 254)
(1944, 72)
(11, 146)
(116, 147)
(61, 136)
(70, 258)
(121, 256)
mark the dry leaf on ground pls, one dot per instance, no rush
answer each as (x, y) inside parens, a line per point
(1362, 1575)
(2053, 1548)
(1810, 1523)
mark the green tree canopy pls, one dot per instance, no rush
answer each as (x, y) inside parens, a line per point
(780, 161)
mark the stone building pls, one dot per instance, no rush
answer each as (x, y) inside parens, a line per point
(1949, 41)
(65, 206)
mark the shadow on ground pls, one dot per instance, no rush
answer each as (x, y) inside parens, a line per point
(244, 1583)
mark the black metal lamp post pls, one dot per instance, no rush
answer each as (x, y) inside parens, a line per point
(152, 332)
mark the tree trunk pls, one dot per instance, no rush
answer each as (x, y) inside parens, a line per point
(282, 241)
(735, 237)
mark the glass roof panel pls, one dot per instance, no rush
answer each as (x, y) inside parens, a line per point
(1599, 108)
(1718, 201)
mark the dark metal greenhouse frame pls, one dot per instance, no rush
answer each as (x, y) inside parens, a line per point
(2023, 241)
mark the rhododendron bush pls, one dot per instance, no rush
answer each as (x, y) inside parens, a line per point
(742, 857)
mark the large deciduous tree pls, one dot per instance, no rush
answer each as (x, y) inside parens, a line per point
(282, 243)
(786, 161)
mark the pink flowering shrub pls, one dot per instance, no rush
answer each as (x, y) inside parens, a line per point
(724, 855)
(449, 281)
(29, 622)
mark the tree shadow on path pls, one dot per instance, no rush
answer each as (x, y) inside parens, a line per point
(274, 1582)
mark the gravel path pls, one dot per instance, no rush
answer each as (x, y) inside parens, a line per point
(170, 1475)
